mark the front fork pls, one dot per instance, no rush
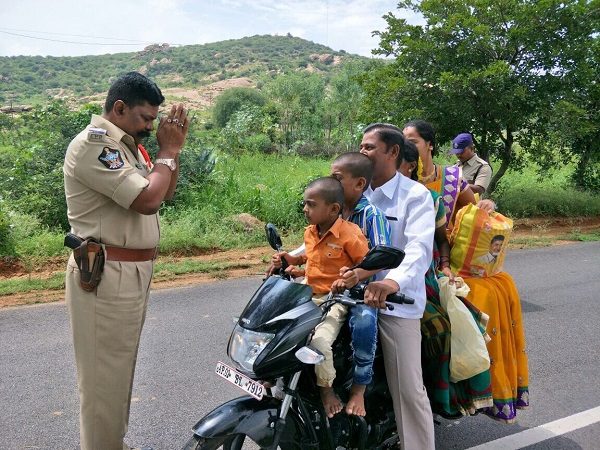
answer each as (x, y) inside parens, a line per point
(279, 424)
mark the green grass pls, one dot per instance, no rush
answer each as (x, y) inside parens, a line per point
(169, 270)
(582, 237)
(527, 194)
(163, 271)
(12, 286)
(269, 187)
(531, 242)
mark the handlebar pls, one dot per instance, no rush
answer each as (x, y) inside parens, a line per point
(356, 296)
(400, 298)
(284, 265)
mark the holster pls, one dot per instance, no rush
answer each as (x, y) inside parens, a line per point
(89, 257)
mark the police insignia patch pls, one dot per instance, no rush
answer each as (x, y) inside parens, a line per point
(111, 158)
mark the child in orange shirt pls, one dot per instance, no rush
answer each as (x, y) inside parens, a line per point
(331, 243)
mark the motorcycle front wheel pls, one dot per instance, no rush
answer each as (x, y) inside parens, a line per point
(235, 442)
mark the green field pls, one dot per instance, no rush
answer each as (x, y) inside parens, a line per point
(269, 187)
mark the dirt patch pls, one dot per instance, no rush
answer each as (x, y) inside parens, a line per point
(204, 96)
(254, 261)
(555, 226)
(10, 267)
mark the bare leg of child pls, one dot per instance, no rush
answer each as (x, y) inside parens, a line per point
(331, 402)
(356, 403)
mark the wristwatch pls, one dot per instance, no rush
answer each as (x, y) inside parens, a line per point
(169, 162)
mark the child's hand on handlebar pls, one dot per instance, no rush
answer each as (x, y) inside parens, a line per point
(349, 279)
(275, 264)
(377, 291)
(294, 271)
(276, 260)
(291, 260)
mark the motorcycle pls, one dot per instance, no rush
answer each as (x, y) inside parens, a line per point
(270, 348)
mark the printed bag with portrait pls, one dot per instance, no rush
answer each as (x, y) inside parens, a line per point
(479, 241)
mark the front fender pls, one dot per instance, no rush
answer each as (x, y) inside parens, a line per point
(254, 418)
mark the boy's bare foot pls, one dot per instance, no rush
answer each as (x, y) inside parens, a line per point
(356, 403)
(331, 402)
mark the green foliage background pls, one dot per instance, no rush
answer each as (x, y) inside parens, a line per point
(256, 149)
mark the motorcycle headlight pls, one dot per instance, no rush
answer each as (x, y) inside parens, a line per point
(246, 345)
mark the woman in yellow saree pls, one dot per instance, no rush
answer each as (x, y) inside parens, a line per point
(497, 296)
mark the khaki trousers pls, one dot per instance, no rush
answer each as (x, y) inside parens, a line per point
(323, 339)
(106, 326)
(401, 345)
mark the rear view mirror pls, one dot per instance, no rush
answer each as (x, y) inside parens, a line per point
(382, 257)
(273, 237)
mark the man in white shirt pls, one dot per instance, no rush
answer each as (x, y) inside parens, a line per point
(408, 206)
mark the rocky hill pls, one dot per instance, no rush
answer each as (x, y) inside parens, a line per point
(195, 72)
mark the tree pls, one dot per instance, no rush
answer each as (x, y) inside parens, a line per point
(488, 66)
(232, 100)
(573, 124)
(31, 178)
(298, 100)
(343, 103)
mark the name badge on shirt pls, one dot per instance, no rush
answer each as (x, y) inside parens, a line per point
(96, 134)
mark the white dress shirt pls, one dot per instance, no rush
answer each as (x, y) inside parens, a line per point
(408, 206)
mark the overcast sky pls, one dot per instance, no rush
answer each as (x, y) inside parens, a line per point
(133, 24)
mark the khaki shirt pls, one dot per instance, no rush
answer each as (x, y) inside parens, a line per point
(104, 173)
(476, 171)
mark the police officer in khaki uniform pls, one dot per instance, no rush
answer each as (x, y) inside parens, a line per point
(476, 171)
(113, 195)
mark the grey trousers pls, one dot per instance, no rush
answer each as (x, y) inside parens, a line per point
(401, 345)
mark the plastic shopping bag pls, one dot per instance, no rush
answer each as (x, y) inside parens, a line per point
(468, 352)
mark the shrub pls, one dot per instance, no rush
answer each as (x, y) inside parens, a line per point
(7, 247)
(258, 143)
(232, 100)
(196, 166)
(587, 176)
(31, 175)
(527, 194)
(532, 202)
(315, 149)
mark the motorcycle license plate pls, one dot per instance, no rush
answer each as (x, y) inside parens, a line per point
(246, 384)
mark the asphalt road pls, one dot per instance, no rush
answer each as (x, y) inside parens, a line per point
(187, 330)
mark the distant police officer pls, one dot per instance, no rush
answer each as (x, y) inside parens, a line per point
(476, 171)
(113, 195)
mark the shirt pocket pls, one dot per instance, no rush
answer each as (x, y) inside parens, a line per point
(333, 251)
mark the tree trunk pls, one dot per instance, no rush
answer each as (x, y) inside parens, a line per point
(579, 174)
(483, 150)
(505, 159)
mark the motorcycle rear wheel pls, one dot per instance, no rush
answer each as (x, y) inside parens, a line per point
(235, 442)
